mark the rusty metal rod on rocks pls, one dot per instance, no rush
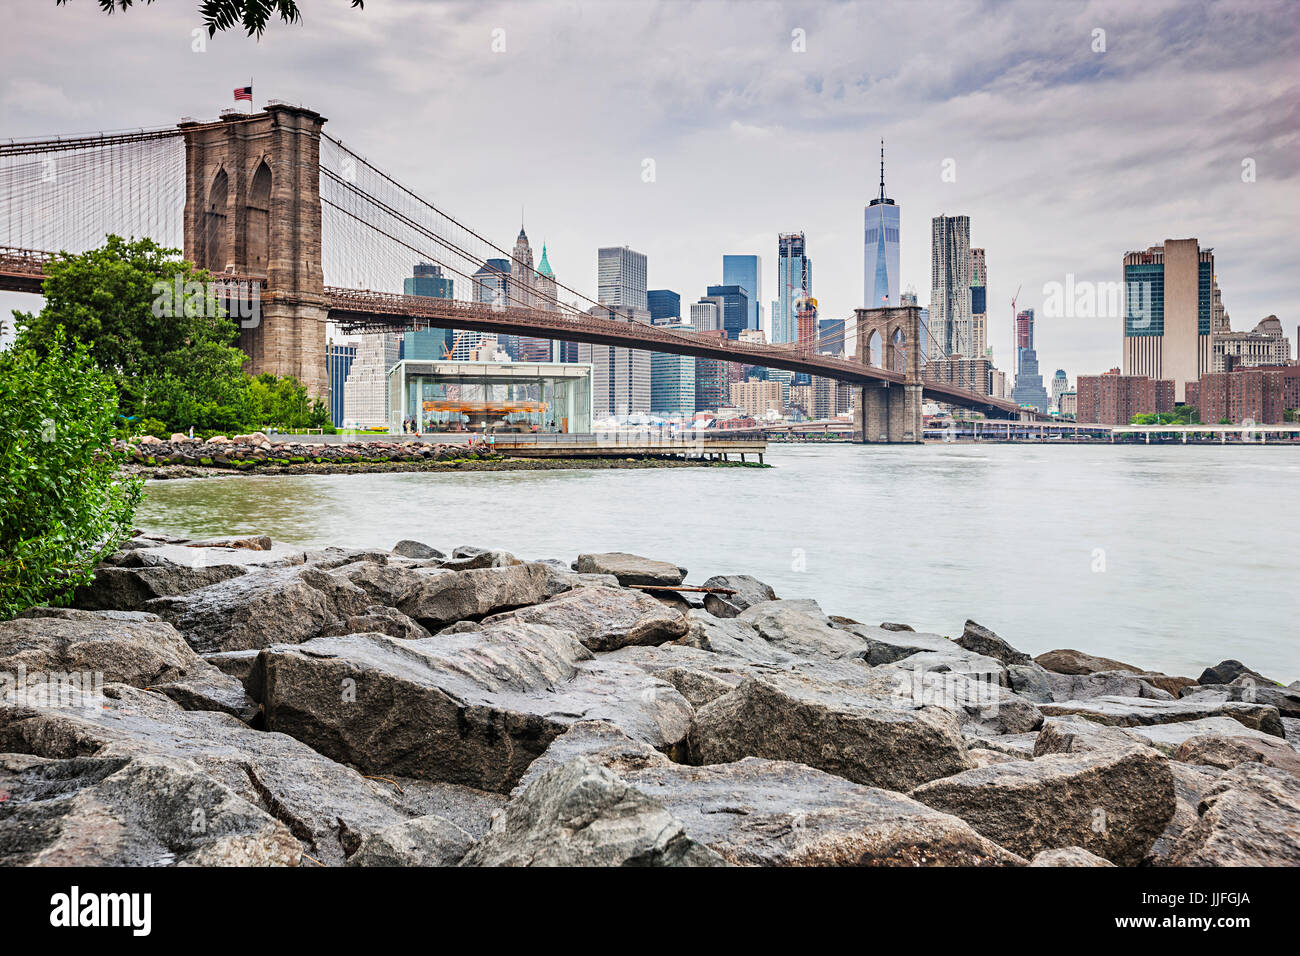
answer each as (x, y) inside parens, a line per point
(681, 587)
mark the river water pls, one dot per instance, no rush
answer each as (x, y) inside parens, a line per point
(1169, 557)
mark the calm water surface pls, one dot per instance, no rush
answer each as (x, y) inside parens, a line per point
(1171, 558)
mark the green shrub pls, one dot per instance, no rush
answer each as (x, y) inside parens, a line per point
(63, 504)
(151, 426)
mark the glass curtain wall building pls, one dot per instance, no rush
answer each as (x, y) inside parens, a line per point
(745, 271)
(880, 248)
(490, 397)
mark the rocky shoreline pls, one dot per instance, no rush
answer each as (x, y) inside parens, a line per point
(183, 457)
(242, 702)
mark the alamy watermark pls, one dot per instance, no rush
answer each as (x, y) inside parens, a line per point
(1082, 299)
(239, 299)
(68, 690)
(975, 691)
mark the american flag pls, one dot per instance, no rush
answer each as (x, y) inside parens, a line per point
(243, 93)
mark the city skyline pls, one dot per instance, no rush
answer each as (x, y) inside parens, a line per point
(1032, 126)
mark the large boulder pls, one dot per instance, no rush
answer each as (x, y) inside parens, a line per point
(700, 676)
(377, 619)
(598, 741)
(889, 743)
(1137, 712)
(128, 588)
(144, 810)
(1102, 684)
(1068, 856)
(774, 813)
(473, 707)
(1113, 804)
(604, 618)
(1031, 682)
(103, 647)
(1167, 738)
(630, 568)
(581, 814)
(748, 592)
(282, 605)
(801, 629)
(1225, 672)
(980, 701)
(728, 637)
(1250, 816)
(252, 542)
(407, 548)
(480, 558)
(1190, 784)
(327, 806)
(1246, 689)
(887, 645)
(423, 841)
(386, 584)
(1225, 753)
(980, 640)
(126, 647)
(1070, 661)
(1077, 735)
(445, 597)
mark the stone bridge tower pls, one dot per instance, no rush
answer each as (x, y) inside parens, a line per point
(252, 207)
(889, 411)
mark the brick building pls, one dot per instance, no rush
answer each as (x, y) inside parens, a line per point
(1258, 394)
(1113, 399)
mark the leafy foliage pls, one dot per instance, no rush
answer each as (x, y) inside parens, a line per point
(252, 15)
(283, 403)
(63, 503)
(1181, 415)
(169, 348)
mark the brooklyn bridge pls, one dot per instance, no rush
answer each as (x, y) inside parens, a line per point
(269, 200)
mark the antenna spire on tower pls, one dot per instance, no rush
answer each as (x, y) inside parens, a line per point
(882, 168)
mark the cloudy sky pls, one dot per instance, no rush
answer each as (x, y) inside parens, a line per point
(1065, 155)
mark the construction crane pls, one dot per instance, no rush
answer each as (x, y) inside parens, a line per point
(1015, 329)
(448, 352)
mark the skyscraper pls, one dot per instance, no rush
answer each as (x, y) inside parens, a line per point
(794, 280)
(978, 304)
(950, 299)
(365, 393)
(880, 248)
(665, 306)
(706, 315)
(710, 378)
(672, 381)
(735, 308)
(1029, 382)
(340, 356)
(621, 277)
(746, 272)
(1060, 385)
(521, 273)
(427, 280)
(1169, 296)
(620, 378)
(528, 289)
